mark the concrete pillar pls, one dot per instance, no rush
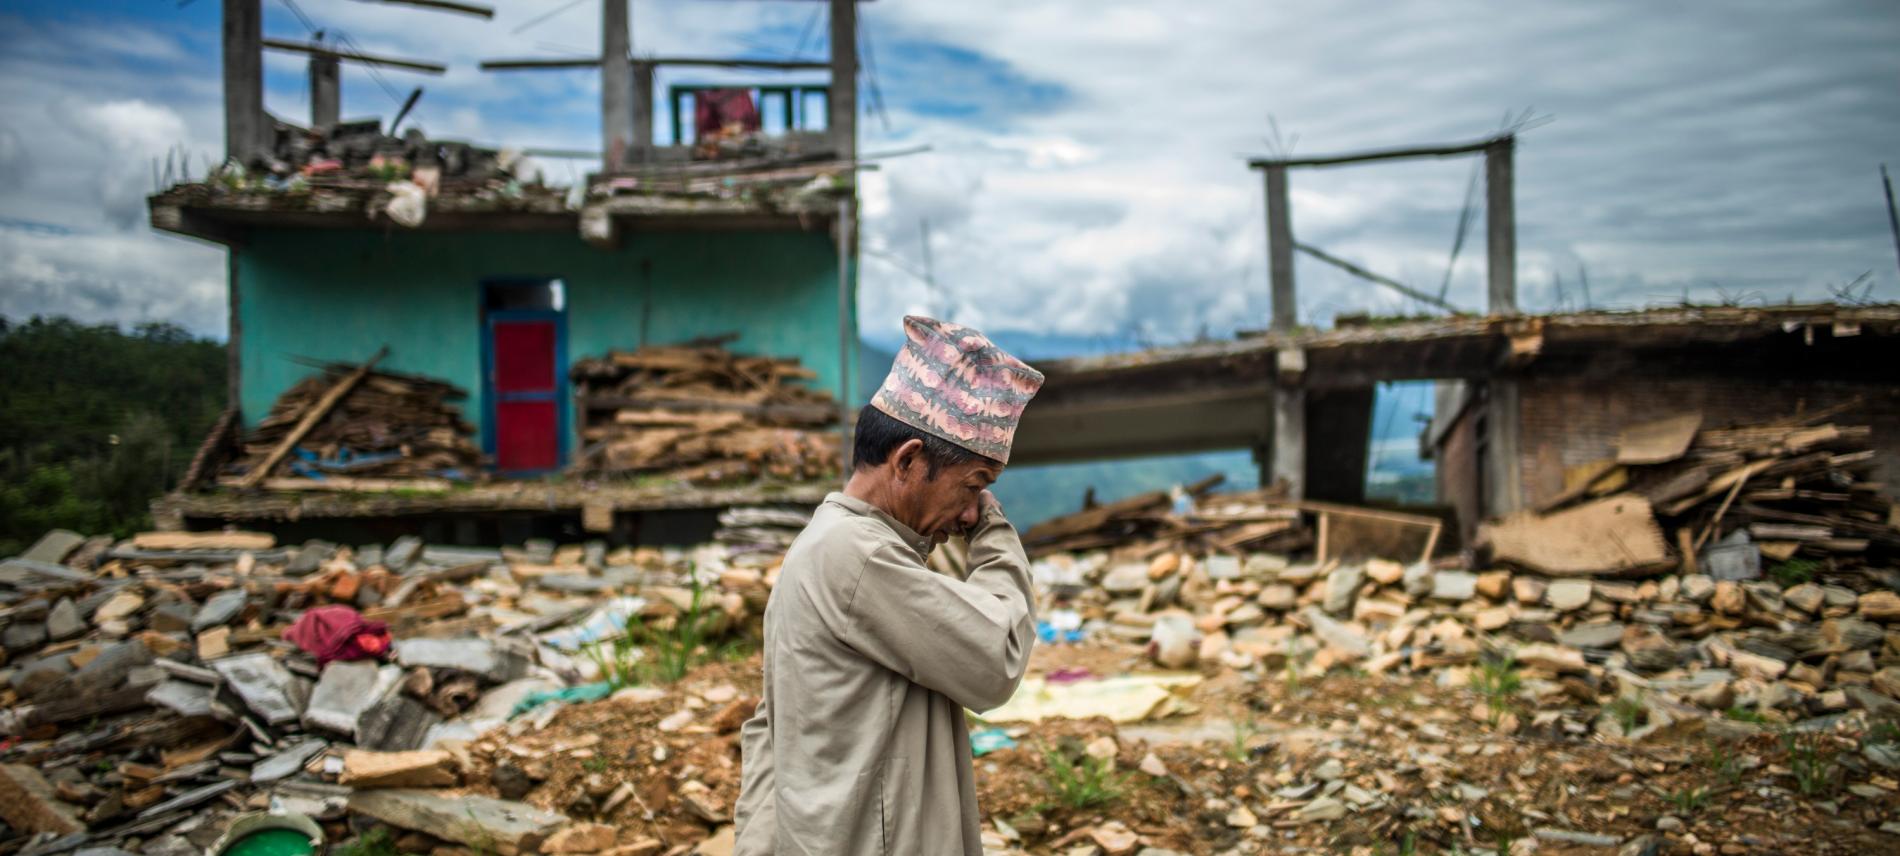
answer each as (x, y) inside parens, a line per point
(616, 83)
(641, 149)
(1503, 467)
(1289, 440)
(246, 131)
(326, 93)
(1286, 308)
(841, 121)
(1500, 221)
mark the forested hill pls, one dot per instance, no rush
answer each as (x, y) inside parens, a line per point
(96, 420)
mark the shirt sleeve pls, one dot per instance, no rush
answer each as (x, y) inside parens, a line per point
(969, 639)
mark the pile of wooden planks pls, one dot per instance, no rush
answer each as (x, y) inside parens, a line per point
(1794, 490)
(351, 427)
(1156, 522)
(701, 413)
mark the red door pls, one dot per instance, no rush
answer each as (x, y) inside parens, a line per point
(524, 380)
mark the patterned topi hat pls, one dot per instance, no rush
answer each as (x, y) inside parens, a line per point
(954, 382)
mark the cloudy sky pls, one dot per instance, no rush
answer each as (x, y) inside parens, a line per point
(1086, 178)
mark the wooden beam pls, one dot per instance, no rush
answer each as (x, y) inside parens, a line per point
(443, 6)
(1380, 154)
(539, 64)
(310, 419)
(841, 121)
(616, 84)
(1362, 273)
(1500, 227)
(245, 129)
(1280, 253)
(313, 49)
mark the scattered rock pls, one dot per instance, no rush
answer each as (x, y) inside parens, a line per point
(580, 838)
(1567, 595)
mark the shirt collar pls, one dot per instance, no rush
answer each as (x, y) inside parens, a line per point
(904, 533)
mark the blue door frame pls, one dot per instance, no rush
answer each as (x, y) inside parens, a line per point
(560, 395)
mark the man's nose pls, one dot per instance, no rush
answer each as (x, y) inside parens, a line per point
(969, 515)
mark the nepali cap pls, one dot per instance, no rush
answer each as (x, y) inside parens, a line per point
(953, 382)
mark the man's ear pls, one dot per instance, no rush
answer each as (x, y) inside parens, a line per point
(908, 458)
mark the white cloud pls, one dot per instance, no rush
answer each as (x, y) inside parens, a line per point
(1087, 168)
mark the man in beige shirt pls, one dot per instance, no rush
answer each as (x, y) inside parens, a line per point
(859, 745)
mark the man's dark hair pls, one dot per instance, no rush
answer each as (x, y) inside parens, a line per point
(879, 435)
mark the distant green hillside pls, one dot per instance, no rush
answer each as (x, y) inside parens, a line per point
(95, 421)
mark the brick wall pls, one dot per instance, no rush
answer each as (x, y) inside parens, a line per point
(1460, 472)
(1569, 421)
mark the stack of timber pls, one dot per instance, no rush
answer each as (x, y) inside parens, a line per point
(698, 412)
(1187, 518)
(353, 428)
(1794, 495)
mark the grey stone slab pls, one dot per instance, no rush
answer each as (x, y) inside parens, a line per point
(109, 670)
(190, 798)
(64, 622)
(309, 558)
(261, 683)
(219, 609)
(483, 657)
(189, 672)
(45, 572)
(509, 828)
(171, 617)
(402, 553)
(183, 697)
(22, 636)
(447, 556)
(1342, 587)
(287, 762)
(54, 546)
(369, 554)
(1604, 635)
(345, 692)
(34, 677)
(396, 723)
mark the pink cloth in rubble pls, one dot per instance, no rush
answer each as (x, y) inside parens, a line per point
(336, 632)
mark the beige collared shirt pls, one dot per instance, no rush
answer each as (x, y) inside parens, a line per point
(859, 744)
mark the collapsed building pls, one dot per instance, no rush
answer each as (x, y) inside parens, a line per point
(355, 244)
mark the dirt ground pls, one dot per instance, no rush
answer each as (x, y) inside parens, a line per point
(1263, 764)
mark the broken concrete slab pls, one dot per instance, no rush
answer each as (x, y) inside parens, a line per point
(289, 761)
(108, 670)
(183, 697)
(28, 573)
(23, 636)
(261, 683)
(1342, 585)
(54, 546)
(396, 723)
(219, 609)
(345, 692)
(485, 658)
(1337, 634)
(426, 768)
(1612, 535)
(506, 828)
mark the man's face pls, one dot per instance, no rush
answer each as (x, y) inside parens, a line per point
(950, 503)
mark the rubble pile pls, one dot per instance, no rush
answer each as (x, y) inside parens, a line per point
(1802, 623)
(700, 413)
(1795, 493)
(384, 426)
(359, 152)
(155, 686)
(1188, 517)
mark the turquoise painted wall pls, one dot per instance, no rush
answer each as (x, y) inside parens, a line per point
(339, 295)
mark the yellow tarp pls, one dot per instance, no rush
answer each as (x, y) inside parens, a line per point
(1129, 698)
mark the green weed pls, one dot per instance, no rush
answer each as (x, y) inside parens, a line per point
(1629, 713)
(1081, 782)
(1244, 730)
(1794, 571)
(1688, 801)
(1738, 713)
(1723, 763)
(596, 764)
(1295, 661)
(1813, 761)
(1498, 680)
(376, 842)
(650, 655)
